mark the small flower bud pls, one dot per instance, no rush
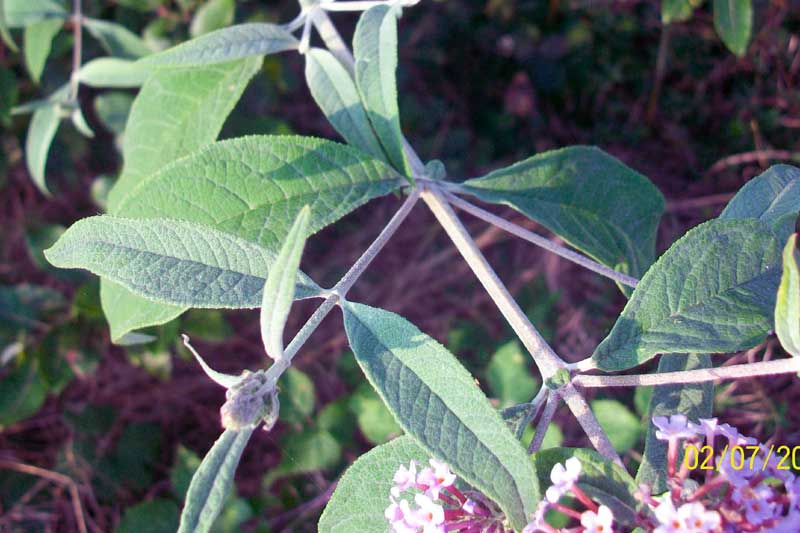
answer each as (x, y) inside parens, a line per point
(247, 404)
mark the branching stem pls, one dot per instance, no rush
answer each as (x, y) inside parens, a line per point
(544, 422)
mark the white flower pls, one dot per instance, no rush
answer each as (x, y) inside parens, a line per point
(538, 523)
(697, 519)
(599, 522)
(429, 516)
(404, 478)
(469, 506)
(397, 515)
(563, 479)
(674, 427)
(668, 519)
(436, 478)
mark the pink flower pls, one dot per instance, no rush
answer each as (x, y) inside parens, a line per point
(429, 516)
(674, 427)
(563, 479)
(436, 478)
(404, 478)
(696, 519)
(397, 515)
(599, 522)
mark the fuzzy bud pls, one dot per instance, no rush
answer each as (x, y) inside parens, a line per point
(246, 403)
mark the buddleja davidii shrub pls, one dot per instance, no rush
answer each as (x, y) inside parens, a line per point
(198, 223)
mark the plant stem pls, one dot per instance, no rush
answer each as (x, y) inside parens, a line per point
(583, 414)
(764, 368)
(544, 422)
(77, 48)
(330, 36)
(538, 240)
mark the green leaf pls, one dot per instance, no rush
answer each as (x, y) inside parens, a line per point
(212, 15)
(112, 109)
(22, 391)
(508, 376)
(280, 286)
(297, 396)
(375, 49)
(155, 516)
(435, 400)
(309, 451)
(41, 132)
(112, 72)
(336, 95)
(621, 426)
(5, 34)
(265, 182)
(212, 482)
(227, 44)
(362, 494)
(186, 464)
(733, 20)
(695, 401)
(21, 13)
(588, 198)
(176, 112)
(37, 42)
(601, 479)
(713, 291)
(787, 309)
(769, 196)
(676, 11)
(374, 420)
(117, 40)
(170, 261)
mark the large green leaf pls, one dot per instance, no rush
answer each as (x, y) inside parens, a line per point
(375, 49)
(41, 132)
(254, 186)
(713, 291)
(601, 479)
(587, 197)
(769, 196)
(118, 40)
(171, 261)
(37, 42)
(787, 308)
(227, 44)
(733, 20)
(176, 112)
(336, 94)
(21, 13)
(212, 482)
(362, 494)
(279, 288)
(436, 401)
(693, 400)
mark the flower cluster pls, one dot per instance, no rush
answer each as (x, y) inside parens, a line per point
(746, 494)
(439, 505)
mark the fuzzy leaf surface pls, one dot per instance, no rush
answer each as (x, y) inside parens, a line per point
(254, 186)
(375, 49)
(170, 261)
(770, 196)
(336, 95)
(227, 44)
(212, 482)
(787, 309)
(436, 401)
(713, 291)
(585, 196)
(362, 494)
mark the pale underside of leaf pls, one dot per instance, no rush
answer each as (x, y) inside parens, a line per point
(435, 400)
(713, 291)
(112, 72)
(375, 49)
(41, 132)
(695, 401)
(118, 40)
(336, 94)
(362, 493)
(37, 43)
(587, 197)
(212, 482)
(254, 186)
(21, 13)
(235, 42)
(170, 261)
(787, 308)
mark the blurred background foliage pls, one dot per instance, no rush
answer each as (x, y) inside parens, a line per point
(116, 431)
